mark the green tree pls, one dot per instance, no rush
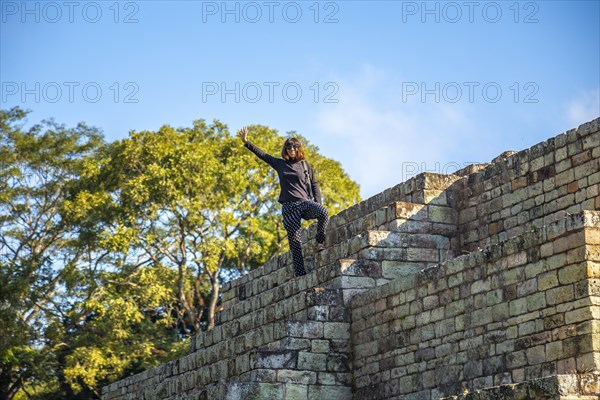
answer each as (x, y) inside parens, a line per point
(36, 167)
(70, 320)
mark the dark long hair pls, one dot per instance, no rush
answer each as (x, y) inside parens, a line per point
(299, 151)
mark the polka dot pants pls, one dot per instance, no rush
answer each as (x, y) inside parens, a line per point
(293, 212)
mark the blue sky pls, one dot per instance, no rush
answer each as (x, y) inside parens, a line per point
(388, 88)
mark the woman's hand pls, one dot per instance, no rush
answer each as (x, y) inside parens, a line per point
(243, 134)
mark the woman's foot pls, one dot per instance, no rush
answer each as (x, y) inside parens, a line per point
(320, 247)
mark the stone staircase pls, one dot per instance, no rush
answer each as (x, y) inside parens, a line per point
(292, 335)
(283, 337)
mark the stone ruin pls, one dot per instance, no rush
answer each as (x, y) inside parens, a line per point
(483, 284)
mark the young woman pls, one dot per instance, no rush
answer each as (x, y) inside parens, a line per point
(300, 195)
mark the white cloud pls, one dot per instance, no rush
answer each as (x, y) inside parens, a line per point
(383, 140)
(584, 108)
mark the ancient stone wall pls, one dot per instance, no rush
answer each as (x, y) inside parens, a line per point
(519, 310)
(396, 306)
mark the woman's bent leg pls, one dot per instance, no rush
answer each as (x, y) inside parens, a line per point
(291, 221)
(314, 210)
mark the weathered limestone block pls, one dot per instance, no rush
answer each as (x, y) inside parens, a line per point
(253, 391)
(360, 268)
(275, 359)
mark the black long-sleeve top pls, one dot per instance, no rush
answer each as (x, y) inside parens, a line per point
(292, 180)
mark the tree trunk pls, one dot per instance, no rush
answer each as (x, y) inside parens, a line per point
(7, 390)
(4, 387)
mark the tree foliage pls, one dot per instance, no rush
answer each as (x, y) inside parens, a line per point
(36, 251)
(115, 252)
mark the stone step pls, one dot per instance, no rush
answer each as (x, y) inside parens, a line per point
(352, 277)
(391, 239)
(425, 188)
(402, 254)
(397, 216)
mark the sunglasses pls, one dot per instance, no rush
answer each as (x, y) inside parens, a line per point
(292, 146)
